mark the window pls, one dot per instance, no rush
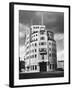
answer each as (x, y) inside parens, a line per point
(42, 49)
(35, 27)
(42, 38)
(49, 49)
(35, 67)
(35, 50)
(42, 57)
(35, 55)
(32, 50)
(36, 34)
(32, 56)
(43, 43)
(53, 55)
(35, 44)
(50, 66)
(50, 54)
(42, 32)
(42, 28)
(49, 43)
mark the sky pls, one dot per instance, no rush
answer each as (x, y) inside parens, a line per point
(54, 21)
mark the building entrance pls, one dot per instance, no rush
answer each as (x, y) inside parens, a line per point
(43, 66)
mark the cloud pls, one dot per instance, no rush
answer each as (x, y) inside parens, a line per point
(23, 28)
(22, 33)
(52, 20)
(22, 52)
(59, 36)
(60, 55)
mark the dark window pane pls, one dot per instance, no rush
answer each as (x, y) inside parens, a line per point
(35, 50)
(50, 54)
(35, 67)
(35, 55)
(42, 57)
(42, 38)
(35, 44)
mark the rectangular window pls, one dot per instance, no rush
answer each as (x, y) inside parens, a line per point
(35, 50)
(49, 49)
(49, 54)
(42, 38)
(49, 43)
(35, 44)
(35, 67)
(50, 66)
(42, 32)
(42, 57)
(36, 34)
(42, 28)
(42, 43)
(35, 55)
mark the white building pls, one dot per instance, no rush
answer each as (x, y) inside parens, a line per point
(40, 50)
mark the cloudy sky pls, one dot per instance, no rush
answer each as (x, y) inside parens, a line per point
(54, 21)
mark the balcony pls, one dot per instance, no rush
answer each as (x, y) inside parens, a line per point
(42, 51)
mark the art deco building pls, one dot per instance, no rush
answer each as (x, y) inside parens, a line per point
(40, 50)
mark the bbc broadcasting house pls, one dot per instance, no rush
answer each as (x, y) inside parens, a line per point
(40, 50)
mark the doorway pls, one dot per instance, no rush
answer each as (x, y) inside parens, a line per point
(43, 66)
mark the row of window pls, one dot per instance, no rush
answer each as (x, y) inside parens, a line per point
(34, 35)
(54, 50)
(42, 31)
(33, 50)
(35, 44)
(33, 67)
(34, 39)
(27, 57)
(37, 27)
(50, 35)
(42, 49)
(52, 55)
(33, 56)
(53, 44)
(42, 43)
(34, 32)
(27, 47)
(52, 66)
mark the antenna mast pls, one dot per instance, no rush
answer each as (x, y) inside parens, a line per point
(42, 18)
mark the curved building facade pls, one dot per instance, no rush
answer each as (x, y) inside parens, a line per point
(40, 50)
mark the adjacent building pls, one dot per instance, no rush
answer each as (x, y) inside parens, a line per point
(60, 65)
(40, 50)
